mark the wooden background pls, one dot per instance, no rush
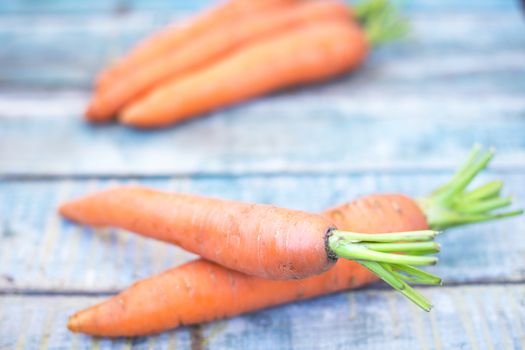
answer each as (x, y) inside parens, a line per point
(402, 123)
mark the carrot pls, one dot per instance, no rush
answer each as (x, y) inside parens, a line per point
(179, 35)
(201, 291)
(306, 54)
(256, 239)
(267, 241)
(206, 48)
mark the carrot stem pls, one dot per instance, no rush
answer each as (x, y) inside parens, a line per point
(381, 21)
(398, 284)
(391, 257)
(405, 247)
(489, 190)
(415, 275)
(410, 236)
(453, 205)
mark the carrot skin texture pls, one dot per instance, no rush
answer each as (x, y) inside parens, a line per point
(176, 36)
(307, 54)
(202, 291)
(256, 239)
(209, 47)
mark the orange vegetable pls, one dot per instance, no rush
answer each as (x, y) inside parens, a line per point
(306, 54)
(207, 48)
(178, 35)
(260, 240)
(201, 291)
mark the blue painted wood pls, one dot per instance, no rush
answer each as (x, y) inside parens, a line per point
(68, 257)
(413, 111)
(286, 133)
(479, 317)
(58, 51)
(124, 6)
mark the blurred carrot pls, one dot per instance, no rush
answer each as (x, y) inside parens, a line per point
(309, 53)
(206, 48)
(178, 35)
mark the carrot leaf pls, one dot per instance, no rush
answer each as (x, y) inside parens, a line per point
(392, 257)
(381, 21)
(453, 205)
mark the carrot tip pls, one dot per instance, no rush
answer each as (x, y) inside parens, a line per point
(72, 323)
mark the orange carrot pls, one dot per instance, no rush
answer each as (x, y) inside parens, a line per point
(260, 240)
(206, 48)
(306, 54)
(178, 35)
(201, 291)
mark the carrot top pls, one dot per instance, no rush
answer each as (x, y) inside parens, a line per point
(381, 21)
(380, 253)
(453, 205)
(450, 205)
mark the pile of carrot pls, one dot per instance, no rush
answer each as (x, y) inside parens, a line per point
(233, 52)
(260, 255)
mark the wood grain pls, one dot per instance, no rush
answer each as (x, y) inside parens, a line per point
(482, 317)
(66, 257)
(400, 124)
(283, 134)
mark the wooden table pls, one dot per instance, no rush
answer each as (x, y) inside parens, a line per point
(402, 123)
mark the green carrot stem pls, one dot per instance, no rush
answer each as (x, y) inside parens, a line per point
(398, 284)
(486, 191)
(452, 204)
(484, 206)
(381, 21)
(467, 176)
(411, 236)
(373, 252)
(357, 252)
(416, 275)
(415, 247)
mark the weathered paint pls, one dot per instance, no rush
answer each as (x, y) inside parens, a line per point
(399, 124)
(73, 258)
(482, 317)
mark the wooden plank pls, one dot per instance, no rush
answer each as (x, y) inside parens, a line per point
(126, 6)
(472, 317)
(286, 133)
(49, 51)
(41, 252)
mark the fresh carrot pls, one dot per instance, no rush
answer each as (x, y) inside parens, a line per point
(279, 243)
(256, 239)
(207, 48)
(307, 54)
(201, 291)
(178, 35)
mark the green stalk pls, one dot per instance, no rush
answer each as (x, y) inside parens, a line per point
(411, 236)
(415, 247)
(415, 275)
(489, 190)
(398, 284)
(453, 205)
(391, 257)
(381, 21)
